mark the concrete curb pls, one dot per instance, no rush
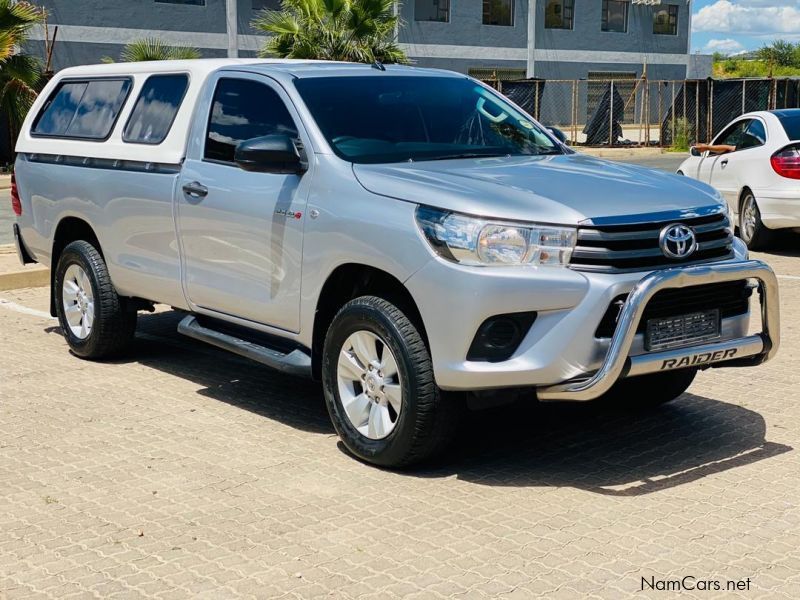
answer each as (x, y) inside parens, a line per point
(14, 276)
(5, 182)
(29, 278)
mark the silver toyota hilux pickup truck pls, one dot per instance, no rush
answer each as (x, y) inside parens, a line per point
(408, 236)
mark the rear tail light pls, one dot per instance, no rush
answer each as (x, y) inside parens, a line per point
(786, 162)
(16, 205)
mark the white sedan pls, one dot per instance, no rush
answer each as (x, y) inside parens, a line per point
(755, 164)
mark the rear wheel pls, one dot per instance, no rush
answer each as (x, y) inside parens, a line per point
(93, 318)
(752, 231)
(379, 387)
(647, 391)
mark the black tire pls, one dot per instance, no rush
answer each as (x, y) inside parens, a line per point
(114, 324)
(428, 419)
(762, 237)
(648, 391)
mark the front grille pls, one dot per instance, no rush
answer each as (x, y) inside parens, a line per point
(731, 298)
(620, 248)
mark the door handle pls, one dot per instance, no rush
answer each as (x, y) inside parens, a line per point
(724, 162)
(195, 189)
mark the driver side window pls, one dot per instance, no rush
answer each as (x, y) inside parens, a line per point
(244, 109)
(734, 135)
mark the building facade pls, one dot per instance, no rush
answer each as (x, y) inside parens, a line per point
(552, 39)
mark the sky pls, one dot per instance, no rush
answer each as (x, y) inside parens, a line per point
(732, 26)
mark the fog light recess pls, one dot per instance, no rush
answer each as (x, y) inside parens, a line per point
(499, 336)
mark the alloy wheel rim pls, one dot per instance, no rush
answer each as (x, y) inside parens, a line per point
(78, 300)
(749, 218)
(369, 385)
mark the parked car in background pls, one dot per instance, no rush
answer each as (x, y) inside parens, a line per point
(755, 164)
(408, 236)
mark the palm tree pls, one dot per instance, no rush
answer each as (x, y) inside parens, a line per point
(16, 21)
(154, 49)
(20, 74)
(348, 30)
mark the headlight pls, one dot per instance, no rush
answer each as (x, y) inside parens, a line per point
(475, 241)
(726, 210)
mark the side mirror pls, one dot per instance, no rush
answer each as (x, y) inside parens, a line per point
(270, 154)
(694, 151)
(560, 135)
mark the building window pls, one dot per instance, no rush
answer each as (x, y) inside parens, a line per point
(432, 10)
(665, 20)
(266, 4)
(192, 2)
(558, 14)
(498, 12)
(615, 15)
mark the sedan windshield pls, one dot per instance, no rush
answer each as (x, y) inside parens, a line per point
(387, 119)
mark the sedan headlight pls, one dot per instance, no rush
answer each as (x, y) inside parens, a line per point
(475, 241)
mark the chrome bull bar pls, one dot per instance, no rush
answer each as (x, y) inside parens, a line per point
(746, 351)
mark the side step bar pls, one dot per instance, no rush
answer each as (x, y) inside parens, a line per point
(295, 362)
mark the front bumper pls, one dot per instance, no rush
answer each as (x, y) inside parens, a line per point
(744, 351)
(562, 348)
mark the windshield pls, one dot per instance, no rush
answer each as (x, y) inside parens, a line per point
(399, 118)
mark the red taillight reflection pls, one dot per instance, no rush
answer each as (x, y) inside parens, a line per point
(786, 162)
(16, 205)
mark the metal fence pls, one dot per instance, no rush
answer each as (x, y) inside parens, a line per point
(646, 112)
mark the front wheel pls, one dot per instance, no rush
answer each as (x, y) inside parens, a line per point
(93, 318)
(752, 231)
(379, 387)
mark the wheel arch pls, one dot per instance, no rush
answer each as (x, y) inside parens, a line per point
(68, 230)
(745, 189)
(351, 280)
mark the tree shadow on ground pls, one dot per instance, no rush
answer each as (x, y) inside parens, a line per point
(593, 446)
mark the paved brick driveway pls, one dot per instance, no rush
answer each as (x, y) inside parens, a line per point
(183, 472)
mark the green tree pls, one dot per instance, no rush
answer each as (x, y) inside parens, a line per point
(154, 49)
(779, 53)
(20, 74)
(346, 30)
(16, 21)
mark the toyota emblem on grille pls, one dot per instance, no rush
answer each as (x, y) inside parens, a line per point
(677, 241)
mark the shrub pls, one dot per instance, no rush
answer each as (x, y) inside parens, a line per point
(684, 135)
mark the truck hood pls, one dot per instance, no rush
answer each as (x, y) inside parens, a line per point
(566, 189)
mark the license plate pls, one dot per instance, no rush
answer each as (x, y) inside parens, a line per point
(685, 330)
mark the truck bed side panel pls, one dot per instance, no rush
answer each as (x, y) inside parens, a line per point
(130, 212)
